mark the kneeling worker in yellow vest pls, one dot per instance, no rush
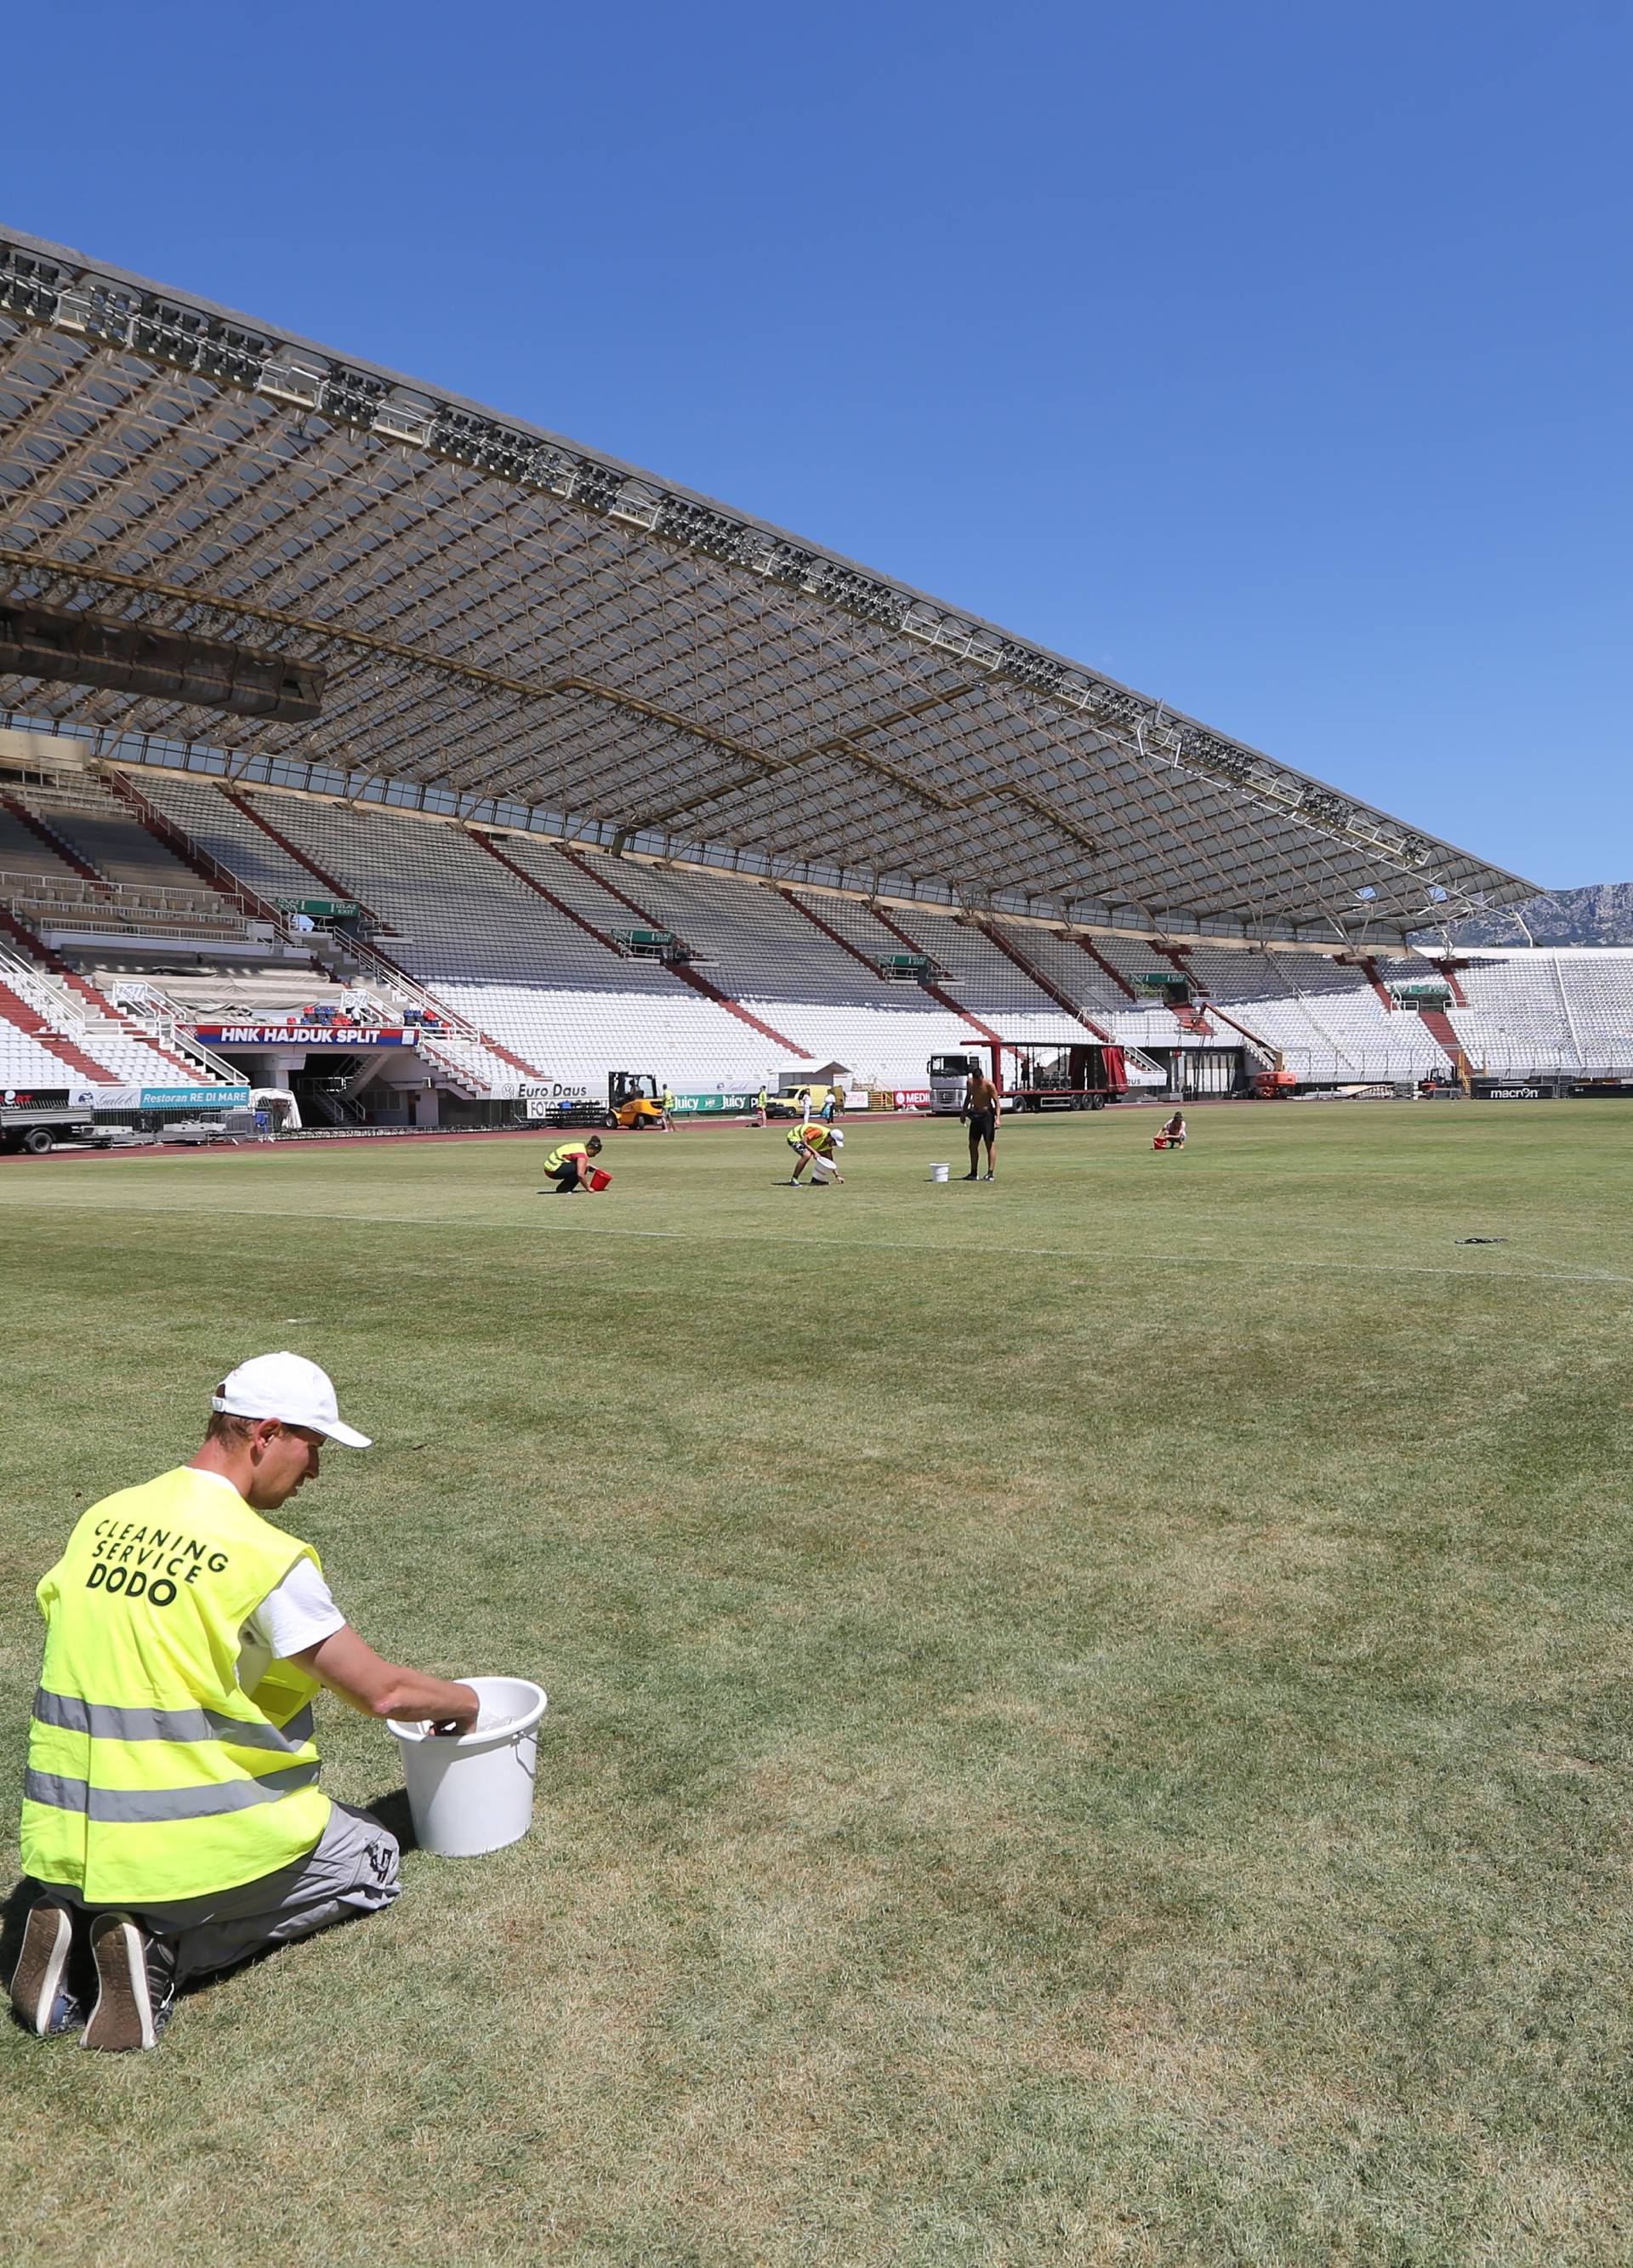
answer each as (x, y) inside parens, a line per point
(171, 1815)
(819, 1147)
(570, 1166)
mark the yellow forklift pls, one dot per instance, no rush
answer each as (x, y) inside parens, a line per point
(634, 1100)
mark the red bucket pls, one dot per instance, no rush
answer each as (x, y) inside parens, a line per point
(599, 1178)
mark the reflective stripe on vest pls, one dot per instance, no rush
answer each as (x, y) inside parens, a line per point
(105, 1722)
(138, 1806)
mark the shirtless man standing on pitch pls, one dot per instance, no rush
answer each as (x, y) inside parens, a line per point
(980, 1110)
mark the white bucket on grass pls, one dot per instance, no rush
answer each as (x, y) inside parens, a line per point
(939, 1173)
(473, 1792)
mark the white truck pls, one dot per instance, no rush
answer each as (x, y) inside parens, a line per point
(37, 1125)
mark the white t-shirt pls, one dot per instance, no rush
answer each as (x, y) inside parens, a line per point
(300, 1612)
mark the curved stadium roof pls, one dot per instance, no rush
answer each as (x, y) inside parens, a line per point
(517, 630)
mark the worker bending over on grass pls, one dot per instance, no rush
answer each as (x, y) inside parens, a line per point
(569, 1164)
(171, 1815)
(980, 1110)
(818, 1147)
(1171, 1134)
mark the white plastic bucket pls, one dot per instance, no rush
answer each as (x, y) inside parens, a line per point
(939, 1173)
(473, 1792)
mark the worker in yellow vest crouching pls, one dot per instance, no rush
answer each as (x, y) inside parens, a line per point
(171, 1815)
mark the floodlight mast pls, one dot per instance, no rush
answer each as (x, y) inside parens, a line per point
(1076, 736)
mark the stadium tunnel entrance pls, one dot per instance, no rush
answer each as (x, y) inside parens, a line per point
(340, 1088)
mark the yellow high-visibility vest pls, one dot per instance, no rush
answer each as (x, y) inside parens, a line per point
(563, 1151)
(152, 1774)
(813, 1137)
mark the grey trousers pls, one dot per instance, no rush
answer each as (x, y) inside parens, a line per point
(351, 1870)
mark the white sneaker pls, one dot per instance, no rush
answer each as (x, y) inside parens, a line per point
(135, 1985)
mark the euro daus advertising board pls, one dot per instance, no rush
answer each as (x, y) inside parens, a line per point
(539, 1097)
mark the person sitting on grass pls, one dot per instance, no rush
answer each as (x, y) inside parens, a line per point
(172, 1822)
(569, 1166)
(818, 1147)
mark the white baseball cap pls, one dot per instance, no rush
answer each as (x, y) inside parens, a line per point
(839, 1140)
(288, 1387)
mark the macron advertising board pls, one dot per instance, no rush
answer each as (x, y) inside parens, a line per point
(306, 1036)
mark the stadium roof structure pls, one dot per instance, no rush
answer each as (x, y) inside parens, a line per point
(515, 630)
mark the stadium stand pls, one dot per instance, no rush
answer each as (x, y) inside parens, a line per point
(1568, 1008)
(71, 1019)
(581, 772)
(521, 950)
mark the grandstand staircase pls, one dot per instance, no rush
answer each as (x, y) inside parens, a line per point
(1435, 1021)
(680, 969)
(74, 1016)
(1185, 1013)
(1268, 1057)
(827, 929)
(247, 807)
(531, 882)
(461, 1050)
(180, 844)
(59, 845)
(610, 945)
(467, 1055)
(1442, 1030)
(1368, 967)
(19, 1011)
(1101, 963)
(160, 1024)
(938, 992)
(1044, 982)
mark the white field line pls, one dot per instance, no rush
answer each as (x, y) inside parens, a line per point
(1122, 1257)
(1060, 1252)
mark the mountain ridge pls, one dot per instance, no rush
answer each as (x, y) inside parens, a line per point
(1598, 913)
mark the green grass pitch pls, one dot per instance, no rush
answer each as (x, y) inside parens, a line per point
(1089, 1718)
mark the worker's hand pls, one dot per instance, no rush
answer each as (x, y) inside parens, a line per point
(458, 1719)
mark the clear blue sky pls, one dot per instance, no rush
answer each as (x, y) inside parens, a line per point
(1273, 358)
